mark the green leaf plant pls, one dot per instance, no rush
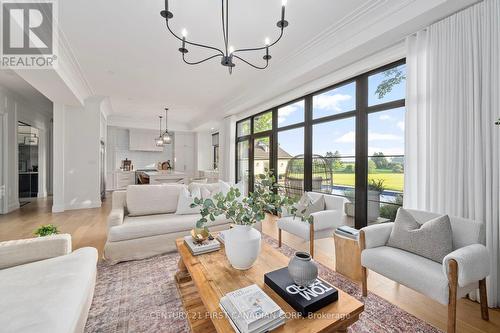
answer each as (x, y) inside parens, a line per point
(46, 230)
(245, 210)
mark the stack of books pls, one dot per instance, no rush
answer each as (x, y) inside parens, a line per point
(200, 248)
(221, 236)
(250, 310)
(347, 232)
(305, 300)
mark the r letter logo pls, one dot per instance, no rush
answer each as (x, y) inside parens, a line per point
(28, 34)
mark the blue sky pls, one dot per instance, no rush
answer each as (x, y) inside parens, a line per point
(386, 128)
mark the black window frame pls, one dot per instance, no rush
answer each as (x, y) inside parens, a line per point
(360, 114)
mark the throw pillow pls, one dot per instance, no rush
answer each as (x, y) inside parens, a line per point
(206, 194)
(306, 206)
(224, 187)
(432, 240)
(185, 201)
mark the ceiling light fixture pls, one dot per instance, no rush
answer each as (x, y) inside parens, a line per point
(229, 53)
(159, 140)
(167, 138)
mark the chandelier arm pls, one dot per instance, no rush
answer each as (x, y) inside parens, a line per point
(250, 64)
(224, 26)
(263, 47)
(199, 62)
(192, 43)
(227, 22)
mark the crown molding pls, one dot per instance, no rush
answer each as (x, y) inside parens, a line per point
(66, 82)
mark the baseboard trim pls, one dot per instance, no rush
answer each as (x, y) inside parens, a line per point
(42, 194)
(78, 205)
(13, 207)
(84, 205)
(57, 208)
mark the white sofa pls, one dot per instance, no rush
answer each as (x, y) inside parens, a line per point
(156, 227)
(462, 271)
(324, 222)
(44, 286)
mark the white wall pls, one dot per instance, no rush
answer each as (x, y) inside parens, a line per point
(14, 108)
(204, 154)
(77, 135)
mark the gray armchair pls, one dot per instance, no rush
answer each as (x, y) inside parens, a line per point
(461, 272)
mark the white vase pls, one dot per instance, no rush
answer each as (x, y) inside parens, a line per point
(242, 244)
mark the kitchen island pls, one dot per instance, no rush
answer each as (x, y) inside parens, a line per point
(162, 176)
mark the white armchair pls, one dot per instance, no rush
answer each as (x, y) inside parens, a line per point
(45, 286)
(324, 222)
(462, 271)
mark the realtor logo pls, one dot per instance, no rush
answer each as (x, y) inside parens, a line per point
(28, 34)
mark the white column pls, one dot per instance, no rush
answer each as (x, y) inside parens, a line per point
(58, 158)
(42, 163)
(227, 140)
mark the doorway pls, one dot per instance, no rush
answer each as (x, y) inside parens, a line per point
(27, 140)
(3, 164)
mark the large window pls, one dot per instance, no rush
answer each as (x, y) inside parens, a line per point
(291, 173)
(346, 140)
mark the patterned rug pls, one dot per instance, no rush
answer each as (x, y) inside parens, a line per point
(141, 296)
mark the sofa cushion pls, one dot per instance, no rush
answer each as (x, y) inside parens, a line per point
(147, 226)
(432, 239)
(152, 199)
(51, 295)
(414, 271)
(212, 188)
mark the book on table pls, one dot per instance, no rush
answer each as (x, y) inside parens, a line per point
(221, 236)
(305, 300)
(199, 248)
(250, 310)
(347, 231)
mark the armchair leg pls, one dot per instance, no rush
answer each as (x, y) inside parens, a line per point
(452, 288)
(311, 239)
(279, 237)
(483, 300)
(364, 272)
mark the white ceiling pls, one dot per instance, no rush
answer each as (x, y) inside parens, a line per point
(126, 53)
(14, 83)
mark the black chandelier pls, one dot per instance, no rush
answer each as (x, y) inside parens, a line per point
(229, 54)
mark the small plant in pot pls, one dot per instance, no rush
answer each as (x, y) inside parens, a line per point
(375, 188)
(242, 242)
(46, 230)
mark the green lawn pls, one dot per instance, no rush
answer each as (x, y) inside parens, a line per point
(392, 181)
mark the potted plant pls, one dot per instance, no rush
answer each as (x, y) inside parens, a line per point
(242, 242)
(46, 230)
(349, 206)
(375, 188)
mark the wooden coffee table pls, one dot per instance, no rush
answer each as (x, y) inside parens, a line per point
(204, 279)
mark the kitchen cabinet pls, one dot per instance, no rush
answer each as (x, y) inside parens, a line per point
(184, 153)
(143, 140)
(124, 179)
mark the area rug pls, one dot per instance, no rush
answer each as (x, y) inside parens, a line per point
(141, 296)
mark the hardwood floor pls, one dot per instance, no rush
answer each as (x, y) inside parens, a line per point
(88, 228)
